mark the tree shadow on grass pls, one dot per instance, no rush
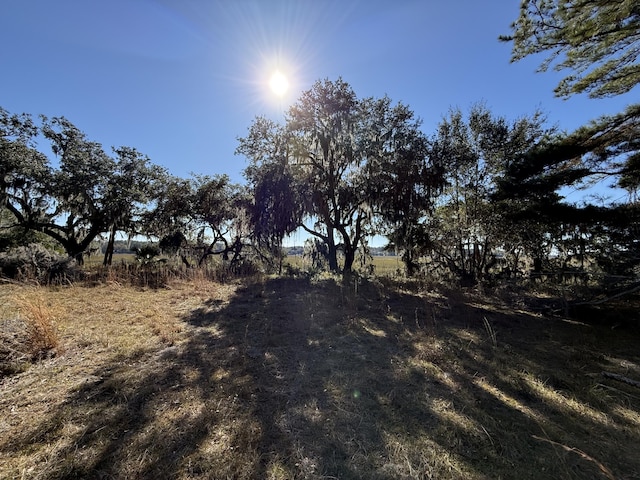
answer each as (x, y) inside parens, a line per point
(364, 381)
(297, 379)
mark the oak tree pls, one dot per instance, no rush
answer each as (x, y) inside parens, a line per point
(326, 170)
(81, 194)
(467, 226)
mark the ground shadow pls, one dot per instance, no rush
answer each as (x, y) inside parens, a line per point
(293, 378)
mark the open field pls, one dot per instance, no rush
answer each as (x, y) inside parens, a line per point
(283, 378)
(96, 259)
(382, 265)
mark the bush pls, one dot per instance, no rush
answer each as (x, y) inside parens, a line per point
(147, 254)
(35, 262)
(30, 337)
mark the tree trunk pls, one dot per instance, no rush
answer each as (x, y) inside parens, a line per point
(332, 253)
(74, 251)
(409, 264)
(537, 265)
(349, 258)
(79, 258)
(108, 254)
(236, 247)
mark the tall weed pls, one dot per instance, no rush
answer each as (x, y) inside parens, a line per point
(40, 317)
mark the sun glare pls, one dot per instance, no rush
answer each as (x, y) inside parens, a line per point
(279, 83)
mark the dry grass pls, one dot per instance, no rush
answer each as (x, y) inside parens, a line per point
(28, 331)
(40, 317)
(282, 378)
(382, 265)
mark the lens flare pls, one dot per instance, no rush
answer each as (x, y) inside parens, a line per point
(279, 83)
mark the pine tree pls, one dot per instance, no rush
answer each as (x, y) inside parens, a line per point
(597, 39)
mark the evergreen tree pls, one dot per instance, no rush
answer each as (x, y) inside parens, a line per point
(597, 40)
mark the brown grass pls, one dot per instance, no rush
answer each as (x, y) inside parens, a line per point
(40, 317)
(28, 331)
(280, 378)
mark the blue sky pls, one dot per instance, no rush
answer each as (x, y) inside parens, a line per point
(180, 80)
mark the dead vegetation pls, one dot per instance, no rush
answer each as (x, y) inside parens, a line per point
(30, 334)
(294, 378)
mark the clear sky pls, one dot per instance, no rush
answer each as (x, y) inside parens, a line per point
(180, 80)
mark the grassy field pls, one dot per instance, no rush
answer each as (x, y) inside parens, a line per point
(291, 378)
(382, 265)
(118, 258)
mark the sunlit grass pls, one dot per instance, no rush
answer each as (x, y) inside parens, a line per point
(118, 258)
(312, 378)
(567, 404)
(383, 265)
(508, 400)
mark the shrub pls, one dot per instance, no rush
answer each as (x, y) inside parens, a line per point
(40, 318)
(147, 254)
(29, 337)
(35, 262)
(14, 351)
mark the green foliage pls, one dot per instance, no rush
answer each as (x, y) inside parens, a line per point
(147, 254)
(630, 176)
(172, 209)
(467, 226)
(35, 262)
(606, 148)
(13, 235)
(602, 237)
(277, 207)
(133, 184)
(172, 242)
(331, 168)
(85, 194)
(597, 40)
(404, 178)
(327, 153)
(206, 212)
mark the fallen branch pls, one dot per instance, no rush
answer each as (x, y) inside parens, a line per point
(610, 388)
(621, 378)
(600, 301)
(607, 473)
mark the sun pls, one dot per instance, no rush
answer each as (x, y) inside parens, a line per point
(279, 83)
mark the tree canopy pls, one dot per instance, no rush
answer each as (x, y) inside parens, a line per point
(345, 169)
(338, 164)
(81, 195)
(474, 150)
(597, 40)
